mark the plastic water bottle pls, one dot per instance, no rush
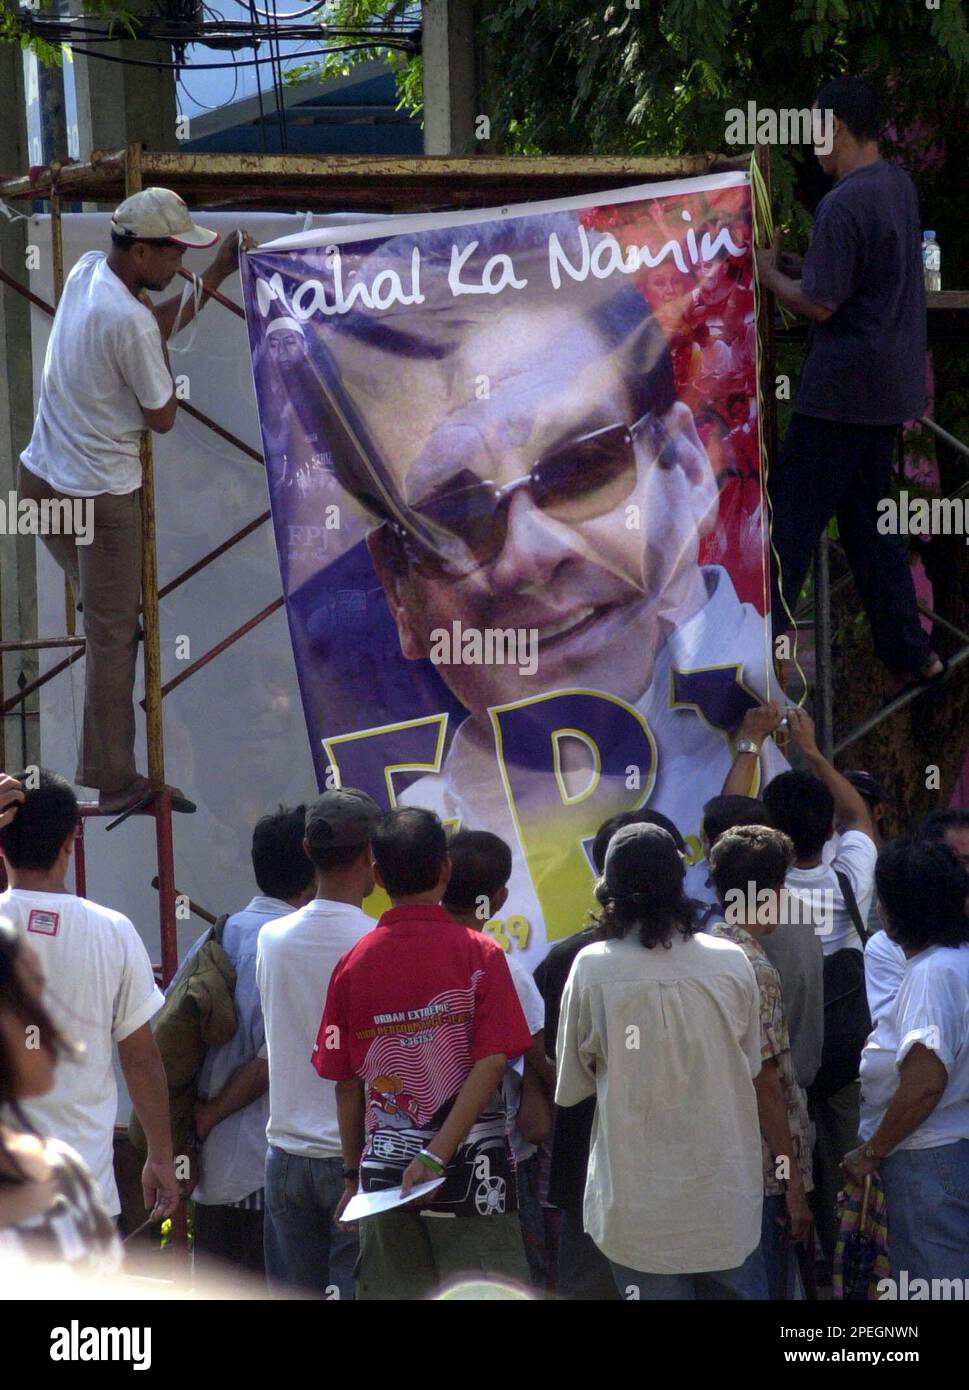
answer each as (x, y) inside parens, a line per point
(931, 262)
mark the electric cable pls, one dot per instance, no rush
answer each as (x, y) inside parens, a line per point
(279, 93)
(206, 9)
(262, 112)
(206, 67)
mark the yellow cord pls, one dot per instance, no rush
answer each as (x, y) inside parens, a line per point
(763, 226)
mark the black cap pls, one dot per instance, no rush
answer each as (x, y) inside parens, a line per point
(867, 786)
(341, 819)
(643, 859)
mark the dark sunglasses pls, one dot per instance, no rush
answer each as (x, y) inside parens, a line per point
(582, 479)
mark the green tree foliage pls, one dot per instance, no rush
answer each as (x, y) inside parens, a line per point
(658, 76)
(15, 25)
(363, 14)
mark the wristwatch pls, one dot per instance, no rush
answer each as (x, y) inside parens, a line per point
(746, 745)
(870, 1154)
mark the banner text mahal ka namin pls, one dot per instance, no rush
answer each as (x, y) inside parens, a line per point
(516, 486)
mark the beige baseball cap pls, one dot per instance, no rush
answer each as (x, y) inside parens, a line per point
(159, 214)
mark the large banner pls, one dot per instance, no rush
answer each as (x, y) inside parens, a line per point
(517, 493)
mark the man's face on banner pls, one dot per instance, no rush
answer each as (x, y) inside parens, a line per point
(599, 556)
(286, 347)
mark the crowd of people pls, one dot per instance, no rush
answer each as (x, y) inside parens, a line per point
(694, 1088)
(672, 1108)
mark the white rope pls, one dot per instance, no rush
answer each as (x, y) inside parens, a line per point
(13, 214)
(193, 291)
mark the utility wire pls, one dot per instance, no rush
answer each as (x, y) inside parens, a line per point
(262, 112)
(280, 93)
(203, 67)
(235, 77)
(297, 14)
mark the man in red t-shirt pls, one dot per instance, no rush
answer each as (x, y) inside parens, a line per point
(421, 1018)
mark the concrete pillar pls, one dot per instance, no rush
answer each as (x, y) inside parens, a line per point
(53, 113)
(117, 103)
(450, 78)
(18, 599)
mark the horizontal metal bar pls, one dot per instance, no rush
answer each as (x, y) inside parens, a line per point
(36, 684)
(900, 701)
(943, 622)
(23, 290)
(220, 647)
(209, 293)
(37, 644)
(189, 409)
(950, 439)
(335, 182)
(202, 912)
(22, 695)
(213, 554)
(225, 434)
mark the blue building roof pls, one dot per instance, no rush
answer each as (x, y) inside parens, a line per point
(356, 114)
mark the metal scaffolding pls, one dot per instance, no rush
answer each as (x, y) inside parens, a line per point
(251, 181)
(330, 184)
(269, 182)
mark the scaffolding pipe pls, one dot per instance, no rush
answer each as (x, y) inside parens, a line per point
(162, 811)
(161, 806)
(209, 293)
(34, 685)
(222, 646)
(37, 644)
(211, 555)
(193, 906)
(823, 692)
(899, 702)
(57, 257)
(192, 410)
(950, 439)
(151, 641)
(80, 863)
(225, 434)
(207, 559)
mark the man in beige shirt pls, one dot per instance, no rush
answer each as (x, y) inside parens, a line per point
(662, 1026)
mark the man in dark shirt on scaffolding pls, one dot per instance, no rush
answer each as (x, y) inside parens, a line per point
(861, 286)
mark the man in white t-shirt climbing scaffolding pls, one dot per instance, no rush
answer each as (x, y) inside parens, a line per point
(106, 380)
(100, 991)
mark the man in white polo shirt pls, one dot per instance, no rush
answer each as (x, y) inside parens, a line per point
(106, 380)
(100, 990)
(296, 956)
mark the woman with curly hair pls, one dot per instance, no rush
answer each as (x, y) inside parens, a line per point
(662, 1025)
(915, 1066)
(51, 1212)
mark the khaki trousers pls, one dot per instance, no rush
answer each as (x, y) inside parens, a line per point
(404, 1255)
(106, 579)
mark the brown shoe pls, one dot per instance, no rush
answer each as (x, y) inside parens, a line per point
(137, 791)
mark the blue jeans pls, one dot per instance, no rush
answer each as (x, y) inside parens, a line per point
(304, 1249)
(531, 1217)
(584, 1273)
(778, 1262)
(927, 1194)
(747, 1281)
